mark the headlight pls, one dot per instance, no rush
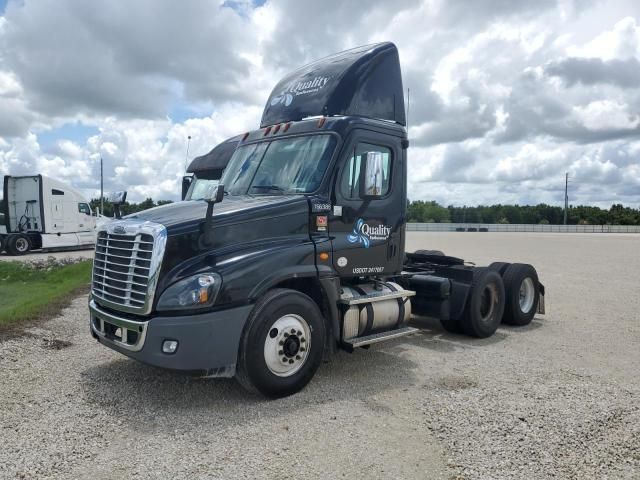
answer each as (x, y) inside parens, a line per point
(193, 292)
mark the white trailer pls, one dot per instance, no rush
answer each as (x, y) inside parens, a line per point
(44, 213)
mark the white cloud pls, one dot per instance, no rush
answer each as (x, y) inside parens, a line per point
(622, 42)
(505, 96)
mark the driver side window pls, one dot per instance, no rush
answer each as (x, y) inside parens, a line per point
(350, 181)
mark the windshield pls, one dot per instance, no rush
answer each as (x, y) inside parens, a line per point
(288, 165)
(200, 188)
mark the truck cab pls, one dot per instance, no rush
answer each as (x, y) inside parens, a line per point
(43, 213)
(299, 250)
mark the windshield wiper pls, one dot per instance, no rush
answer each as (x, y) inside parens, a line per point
(269, 187)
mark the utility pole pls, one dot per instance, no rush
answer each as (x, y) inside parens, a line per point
(566, 196)
(101, 188)
(186, 156)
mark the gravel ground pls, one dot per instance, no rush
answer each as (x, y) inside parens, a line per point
(556, 399)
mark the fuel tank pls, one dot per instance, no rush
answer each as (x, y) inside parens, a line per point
(367, 318)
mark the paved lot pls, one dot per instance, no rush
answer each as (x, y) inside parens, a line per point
(557, 399)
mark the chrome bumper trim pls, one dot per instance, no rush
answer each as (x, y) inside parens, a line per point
(124, 325)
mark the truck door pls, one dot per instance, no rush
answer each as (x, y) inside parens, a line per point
(85, 220)
(57, 210)
(368, 232)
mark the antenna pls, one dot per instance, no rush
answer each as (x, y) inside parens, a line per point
(186, 155)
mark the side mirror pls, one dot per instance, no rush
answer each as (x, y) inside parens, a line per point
(371, 175)
(117, 199)
(186, 183)
(215, 195)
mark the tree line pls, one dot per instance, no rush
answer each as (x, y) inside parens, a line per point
(127, 207)
(432, 212)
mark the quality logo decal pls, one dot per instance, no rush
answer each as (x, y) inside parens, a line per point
(364, 233)
(299, 88)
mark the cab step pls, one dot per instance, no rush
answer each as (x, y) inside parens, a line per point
(379, 337)
(376, 297)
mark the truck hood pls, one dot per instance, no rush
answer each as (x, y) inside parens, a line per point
(187, 214)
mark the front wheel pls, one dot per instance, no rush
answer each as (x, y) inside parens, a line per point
(282, 344)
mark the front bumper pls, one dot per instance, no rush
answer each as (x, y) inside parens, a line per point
(207, 343)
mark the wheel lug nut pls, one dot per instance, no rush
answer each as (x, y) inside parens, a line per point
(291, 361)
(284, 359)
(281, 342)
(293, 331)
(298, 357)
(280, 352)
(303, 339)
(299, 333)
(286, 334)
(302, 349)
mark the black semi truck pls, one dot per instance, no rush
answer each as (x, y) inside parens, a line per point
(299, 250)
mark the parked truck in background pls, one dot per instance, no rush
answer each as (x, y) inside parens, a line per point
(300, 249)
(43, 213)
(204, 172)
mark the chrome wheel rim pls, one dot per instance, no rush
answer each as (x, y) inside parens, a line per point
(22, 245)
(286, 346)
(527, 295)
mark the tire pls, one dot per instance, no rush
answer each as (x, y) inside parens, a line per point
(485, 305)
(2, 242)
(452, 326)
(430, 252)
(499, 267)
(522, 291)
(267, 340)
(18, 244)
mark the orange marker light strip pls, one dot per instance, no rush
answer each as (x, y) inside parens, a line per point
(324, 256)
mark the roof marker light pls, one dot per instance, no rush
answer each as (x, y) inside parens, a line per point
(267, 130)
(286, 127)
(275, 130)
(245, 136)
(321, 122)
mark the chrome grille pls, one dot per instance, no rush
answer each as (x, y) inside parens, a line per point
(126, 264)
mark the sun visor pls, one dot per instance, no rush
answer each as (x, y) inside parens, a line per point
(213, 163)
(364, 81)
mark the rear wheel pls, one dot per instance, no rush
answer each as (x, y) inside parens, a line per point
(282, 344)
(18, 244)
(499, 267)
(485, 305)
(452, 326)
(522, 294)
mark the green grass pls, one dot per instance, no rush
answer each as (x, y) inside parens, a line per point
(27, 293)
